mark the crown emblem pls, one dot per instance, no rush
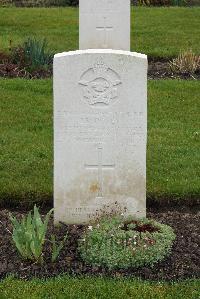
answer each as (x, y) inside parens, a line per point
(100, 84)
(100, 67)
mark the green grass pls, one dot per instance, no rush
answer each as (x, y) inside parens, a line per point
(173, 168)
(26, 140)
(26, 162)
(93, 288)
(155, 31)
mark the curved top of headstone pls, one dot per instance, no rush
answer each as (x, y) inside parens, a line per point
(101, 51)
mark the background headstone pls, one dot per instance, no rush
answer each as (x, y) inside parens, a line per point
(104, 24)
(100, 130)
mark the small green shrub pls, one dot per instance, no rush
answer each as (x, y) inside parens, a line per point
(32, 54)
(29, 235)
(186, 63)
(116, 243)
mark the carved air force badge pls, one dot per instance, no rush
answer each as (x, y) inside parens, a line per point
(100, 85)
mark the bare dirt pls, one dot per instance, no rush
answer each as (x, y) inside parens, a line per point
(184, 261)
(157, 69)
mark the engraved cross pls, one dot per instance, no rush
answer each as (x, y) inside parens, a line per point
(105, 28)
(100, 167)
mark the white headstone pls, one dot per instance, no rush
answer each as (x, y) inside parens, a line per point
(104, 24)
(100, 121)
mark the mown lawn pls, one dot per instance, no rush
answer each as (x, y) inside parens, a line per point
(26, 150)
(93, 288)
(155, 31)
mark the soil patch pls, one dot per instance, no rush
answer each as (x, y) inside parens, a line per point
(10, 70)
(184, 261)
(142, 228)
(157, 69)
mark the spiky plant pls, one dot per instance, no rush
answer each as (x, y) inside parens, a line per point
(29, 235)
(186, 63)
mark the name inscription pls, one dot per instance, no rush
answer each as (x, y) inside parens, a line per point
(101, 127)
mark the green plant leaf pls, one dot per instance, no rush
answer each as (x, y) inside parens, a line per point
(29, 234)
